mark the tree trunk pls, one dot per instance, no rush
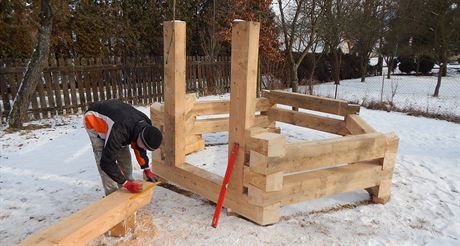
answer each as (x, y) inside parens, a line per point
(363, 69)
(336, 68)
(34, 69)
(438, 84)
(444, 70)
(294, 82)
(380, 65)
(312, 75)
(295, 79)
(390, 67)
(417, 66)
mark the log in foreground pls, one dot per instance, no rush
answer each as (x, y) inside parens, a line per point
(87, 224)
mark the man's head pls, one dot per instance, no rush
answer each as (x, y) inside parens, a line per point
(149, 138)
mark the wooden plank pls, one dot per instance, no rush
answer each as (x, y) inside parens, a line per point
(57, 89)
(87, 224)
(50, 93)
(157, 114)
(326, 105)
(222, 124)
(195, 146)
(34, 104)
(223, 106)
(267, 143)
(99, 74)
(128, 79)
(150, 81)
(41, 94)
(188, 74)
(174, 91)
(119, 83)
(113, 78)
(267, 183)
(322, 153)
(245, 52)
(137, 82)
(73, 87)
(312, 121)
(189, 102)
(64, 76)
(210, 125)
(356, 125)
(201, 82)
(145, 79)
(207, 185)
(87, 82)
(190, 139)
(194, 74)
(159, 88)
(105, 78)
(325, 182)
(81, 87)
(92, 75)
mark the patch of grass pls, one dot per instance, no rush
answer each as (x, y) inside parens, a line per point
(388, 106)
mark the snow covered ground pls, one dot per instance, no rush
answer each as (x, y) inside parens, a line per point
(49, 173)
(406, 92)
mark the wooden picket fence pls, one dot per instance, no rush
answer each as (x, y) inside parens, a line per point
(69, 85)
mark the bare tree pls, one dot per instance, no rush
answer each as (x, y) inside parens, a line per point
(366, 29)
(445, 27)
(299, 22)
(333, 22)
(34, 69)
(210, 43)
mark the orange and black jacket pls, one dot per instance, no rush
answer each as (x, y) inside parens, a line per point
(118, 124)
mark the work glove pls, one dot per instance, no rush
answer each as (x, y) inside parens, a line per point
(133, 186)
(150, 176)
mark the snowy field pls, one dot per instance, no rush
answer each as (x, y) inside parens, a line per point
(405, 92)
(49, 173)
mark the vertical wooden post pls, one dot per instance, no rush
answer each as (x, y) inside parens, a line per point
(174, 92)
(245, 51)
(381, 193)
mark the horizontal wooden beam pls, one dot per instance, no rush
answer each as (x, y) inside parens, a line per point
(322, 153)
(267, 183)
(316, 184)
(195, 146)
(321, 104)
(89, 223)
(207, 185)
(202, 108)
(221, 124)
(356, 125)
(312, 121)
(223, 106)
(267, 143)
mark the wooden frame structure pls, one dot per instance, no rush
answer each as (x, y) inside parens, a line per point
(268, 173)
